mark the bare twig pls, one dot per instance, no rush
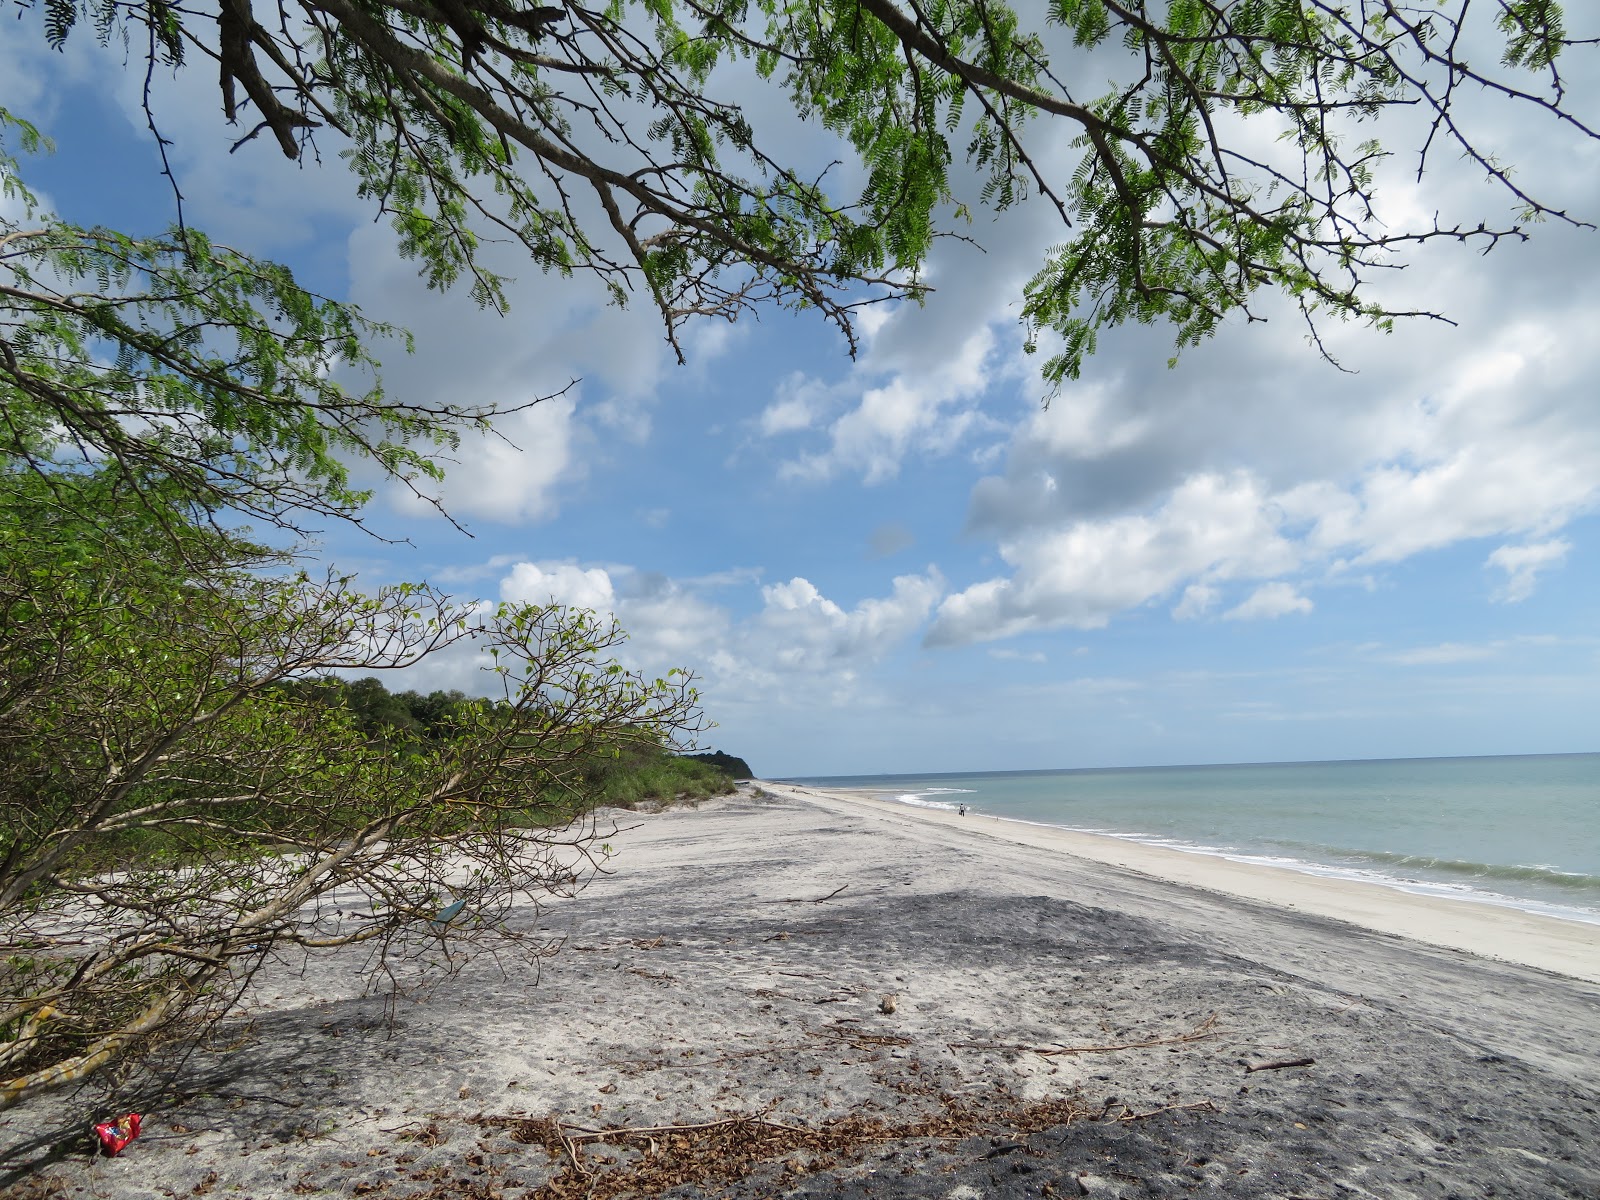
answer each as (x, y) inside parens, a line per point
(1278, 1064)
(819, 899)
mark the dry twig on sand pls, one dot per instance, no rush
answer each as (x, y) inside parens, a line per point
(1205, 1029)
(1278, 1064)
(819, 899)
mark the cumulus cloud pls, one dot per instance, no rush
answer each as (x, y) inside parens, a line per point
(805, 627)
(1083, 573)
(1269, 600)
(552, 337)
(509, 474)
(798, 404)
(1197, 599)
(929, 411)
(1522, 565)
(1134, 486)
(796, 638)
(560, 583)
(929, 376)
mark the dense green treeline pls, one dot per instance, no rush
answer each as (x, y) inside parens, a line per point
(623, 775)
(727, 763)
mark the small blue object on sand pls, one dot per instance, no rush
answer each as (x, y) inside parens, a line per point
(449, 912)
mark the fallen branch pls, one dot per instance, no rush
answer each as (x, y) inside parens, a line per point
(1156, 1112)
(581, 1133)
(571, 1146)
(819, 899)
(1278, 1064)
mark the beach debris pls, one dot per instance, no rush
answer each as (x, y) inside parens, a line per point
(115, 1135)
(1205, 1029)
(1278, 1064)
(858, 1039)
(819, 899)
(889, 1003)
(449, 913)
(711, 1154)
(1201, 1105)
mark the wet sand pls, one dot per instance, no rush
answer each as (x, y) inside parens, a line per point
(807, 995)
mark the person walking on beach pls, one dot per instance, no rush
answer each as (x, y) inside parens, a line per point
(962, 809)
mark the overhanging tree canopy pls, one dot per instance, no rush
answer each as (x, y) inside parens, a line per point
(604, 139)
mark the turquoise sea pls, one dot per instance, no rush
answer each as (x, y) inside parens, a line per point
(1522, 831)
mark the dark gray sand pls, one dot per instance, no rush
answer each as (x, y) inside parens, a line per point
(1058, 1028)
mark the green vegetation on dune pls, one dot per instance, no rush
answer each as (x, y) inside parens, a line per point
(726, 763)
(626, 774)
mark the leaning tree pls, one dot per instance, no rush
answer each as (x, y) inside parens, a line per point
(173, 809)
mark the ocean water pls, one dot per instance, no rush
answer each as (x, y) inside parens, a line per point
(1522, 831)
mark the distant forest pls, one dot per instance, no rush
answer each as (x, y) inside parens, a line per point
(634, 775)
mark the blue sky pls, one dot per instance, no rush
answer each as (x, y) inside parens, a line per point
(908, 563)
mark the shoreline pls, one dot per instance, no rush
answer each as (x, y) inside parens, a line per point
(1488, 930)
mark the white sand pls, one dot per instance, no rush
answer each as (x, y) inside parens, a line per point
(1187, 1026)
(1487, 930)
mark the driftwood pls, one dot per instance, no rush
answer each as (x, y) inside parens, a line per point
(1205, 1029)
(1278, 1064)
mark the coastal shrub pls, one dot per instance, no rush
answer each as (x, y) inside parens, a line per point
(728, 764)
(179, 799)
(660, 777)
(172, 812)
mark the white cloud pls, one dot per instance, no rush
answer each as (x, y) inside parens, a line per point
(1196, 601)
(560, 583)
(450, 576)
(1446, 653)
(1111, 498)
(1442, 654)
(1269, 600)
(926, 411)
(799, 405)
(797, 640)
(1522, 565)
(552, 337)
(510, 474)
(809, 630)
(1083, 574)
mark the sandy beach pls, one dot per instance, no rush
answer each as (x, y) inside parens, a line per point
(797, 994)
(1492, 931)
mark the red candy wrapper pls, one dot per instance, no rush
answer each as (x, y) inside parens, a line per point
(114, 1135)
